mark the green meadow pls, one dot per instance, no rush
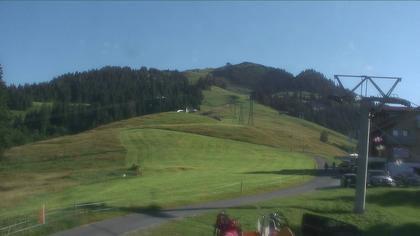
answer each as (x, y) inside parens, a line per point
(184, 158)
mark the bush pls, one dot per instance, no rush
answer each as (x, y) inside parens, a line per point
(135, 168)
(324, 136)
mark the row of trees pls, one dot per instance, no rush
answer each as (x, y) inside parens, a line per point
(108, 85)
(6, 131)
(79, 101)
(3, 112)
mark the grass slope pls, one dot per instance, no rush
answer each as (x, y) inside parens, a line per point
(195, 74)
(37, 106)
(212, 167)
(212, 156)
(389, 212)
(270, 127)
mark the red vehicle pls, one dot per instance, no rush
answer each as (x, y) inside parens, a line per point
(271, 225)
(226, 227)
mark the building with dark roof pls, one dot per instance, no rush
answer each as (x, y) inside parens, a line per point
(395, 134)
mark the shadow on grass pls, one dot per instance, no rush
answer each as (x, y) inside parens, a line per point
(396, 198)
(340, 198)
(151, 210)
(329, 188)
(311, 172)
(156, 211)
(321, 211)
(388, 230)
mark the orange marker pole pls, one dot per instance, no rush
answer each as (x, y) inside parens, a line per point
(41, 218)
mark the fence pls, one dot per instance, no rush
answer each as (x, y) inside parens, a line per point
(27, 224)
(31, 223)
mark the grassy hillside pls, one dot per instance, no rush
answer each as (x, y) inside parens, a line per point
(37, 106)
(280, 130)
(389, 212)
(215, 156)
(195, 75)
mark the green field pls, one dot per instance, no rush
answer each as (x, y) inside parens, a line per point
(214, 156)
(389, 212)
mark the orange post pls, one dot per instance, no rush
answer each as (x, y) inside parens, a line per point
(41, 216)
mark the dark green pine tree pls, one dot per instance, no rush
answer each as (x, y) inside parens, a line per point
(84, 100)
(4, 115)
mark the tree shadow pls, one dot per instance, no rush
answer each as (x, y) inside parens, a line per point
(340, 198)
(321, 211)
(329, 187)
(388, 230)
(151, 210)
(310, 172)
(396, 198)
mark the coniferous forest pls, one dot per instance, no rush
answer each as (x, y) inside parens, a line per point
(79, 101)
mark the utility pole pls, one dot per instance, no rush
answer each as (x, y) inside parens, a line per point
(362, 161)
(251, 109)
(241, 114)
(368, 107)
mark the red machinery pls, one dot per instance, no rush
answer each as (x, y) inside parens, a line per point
(273, 224)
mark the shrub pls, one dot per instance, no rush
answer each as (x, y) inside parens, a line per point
(324, 136)
(136, 169)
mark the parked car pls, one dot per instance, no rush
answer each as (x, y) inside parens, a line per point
(413, 180)
(407, 180)
(380, 178)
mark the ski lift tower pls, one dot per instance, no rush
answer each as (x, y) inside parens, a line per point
(369, 105)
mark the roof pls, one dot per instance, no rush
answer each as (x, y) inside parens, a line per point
(400, 108)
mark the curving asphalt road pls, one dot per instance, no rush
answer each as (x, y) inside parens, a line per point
(139, 221)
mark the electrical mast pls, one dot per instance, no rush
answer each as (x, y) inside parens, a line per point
(251, 109)
(369, 105)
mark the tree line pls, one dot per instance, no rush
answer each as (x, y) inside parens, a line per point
(4, 115)
(78, 101)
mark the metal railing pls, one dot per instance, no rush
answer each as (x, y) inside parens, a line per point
(28, 224)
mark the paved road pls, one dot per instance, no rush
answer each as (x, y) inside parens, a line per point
(138, 221)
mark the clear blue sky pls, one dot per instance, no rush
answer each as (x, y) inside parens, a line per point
(41, 40)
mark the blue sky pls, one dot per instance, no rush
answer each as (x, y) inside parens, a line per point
(40, 40)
